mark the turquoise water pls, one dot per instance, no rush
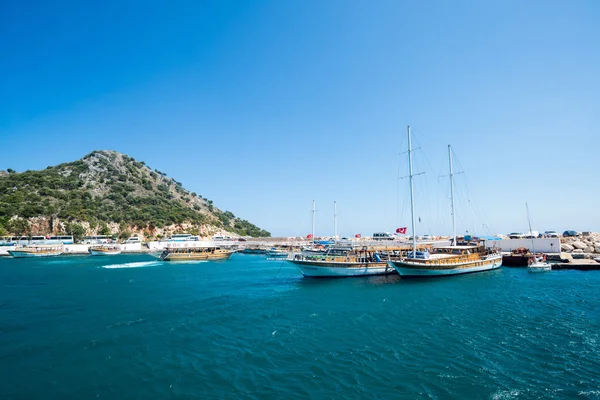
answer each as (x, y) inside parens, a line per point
(247, 328)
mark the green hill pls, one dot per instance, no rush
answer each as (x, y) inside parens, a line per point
(107, 192)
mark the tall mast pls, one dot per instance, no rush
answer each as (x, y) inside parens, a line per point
(313, 223)
(452, 197)
(412, 200)
(530, 232)
(334, 221)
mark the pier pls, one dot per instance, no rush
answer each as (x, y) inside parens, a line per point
(578, 264)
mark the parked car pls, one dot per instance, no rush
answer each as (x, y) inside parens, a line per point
(383, 236)
(516, 235)
(550, 234)
(570, 233)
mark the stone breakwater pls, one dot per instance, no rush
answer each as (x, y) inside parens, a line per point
(586, 245)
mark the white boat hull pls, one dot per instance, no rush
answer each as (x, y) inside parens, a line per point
(322, 270)
(539, 267)
(404, 270)
(104, 253)
(25, 254)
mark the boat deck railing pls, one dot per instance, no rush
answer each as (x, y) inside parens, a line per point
(349, 258)
(456, 259)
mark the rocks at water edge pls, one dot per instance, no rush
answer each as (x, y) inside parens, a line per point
(566, 247)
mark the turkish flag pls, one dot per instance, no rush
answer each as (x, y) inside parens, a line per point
(357, 235)
(309, 236)
(401, 230)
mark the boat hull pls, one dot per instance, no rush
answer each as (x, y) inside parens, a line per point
(104, 253)
(196, 256)
(324, 269)
(539, 267)
(408, 269)
(26, 254)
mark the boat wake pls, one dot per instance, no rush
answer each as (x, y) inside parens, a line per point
(133, 265)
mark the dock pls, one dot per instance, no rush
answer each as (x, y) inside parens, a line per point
(578, 264)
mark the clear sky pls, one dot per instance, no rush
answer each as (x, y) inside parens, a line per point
(263, 106)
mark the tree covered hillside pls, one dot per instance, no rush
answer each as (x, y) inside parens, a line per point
(107, 188)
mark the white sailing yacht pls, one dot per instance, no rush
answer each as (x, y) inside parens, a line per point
(538, 264)
(448, 260)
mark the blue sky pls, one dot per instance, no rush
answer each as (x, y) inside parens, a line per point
(264, 106)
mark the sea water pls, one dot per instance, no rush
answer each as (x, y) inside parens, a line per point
(129, 327)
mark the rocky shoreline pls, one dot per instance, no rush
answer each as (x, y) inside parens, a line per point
(586, 245)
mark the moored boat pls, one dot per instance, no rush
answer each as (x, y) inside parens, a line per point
(341, 262)
(521, 257)
(447, 260)
(105, 250)
(196, 253)
(538, 264)
(276, 252)
(254, 250)
(36, 251)
(313, 250)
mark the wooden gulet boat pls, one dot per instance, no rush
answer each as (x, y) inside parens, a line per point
(36, 251)
(105, 250)
(451, 260)
(342, 262)
(196, 253)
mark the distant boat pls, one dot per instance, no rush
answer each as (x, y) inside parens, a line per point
(36, 251)
(255, 249)
(105, 250)
(449, 260)
(196, 253)
(277, 252)
(312, 250)
(538, 264)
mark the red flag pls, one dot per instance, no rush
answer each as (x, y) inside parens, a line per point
(309, 236)
(401, 230)
(357, 235)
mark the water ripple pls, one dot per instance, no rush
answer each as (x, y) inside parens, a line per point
(251, 329)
